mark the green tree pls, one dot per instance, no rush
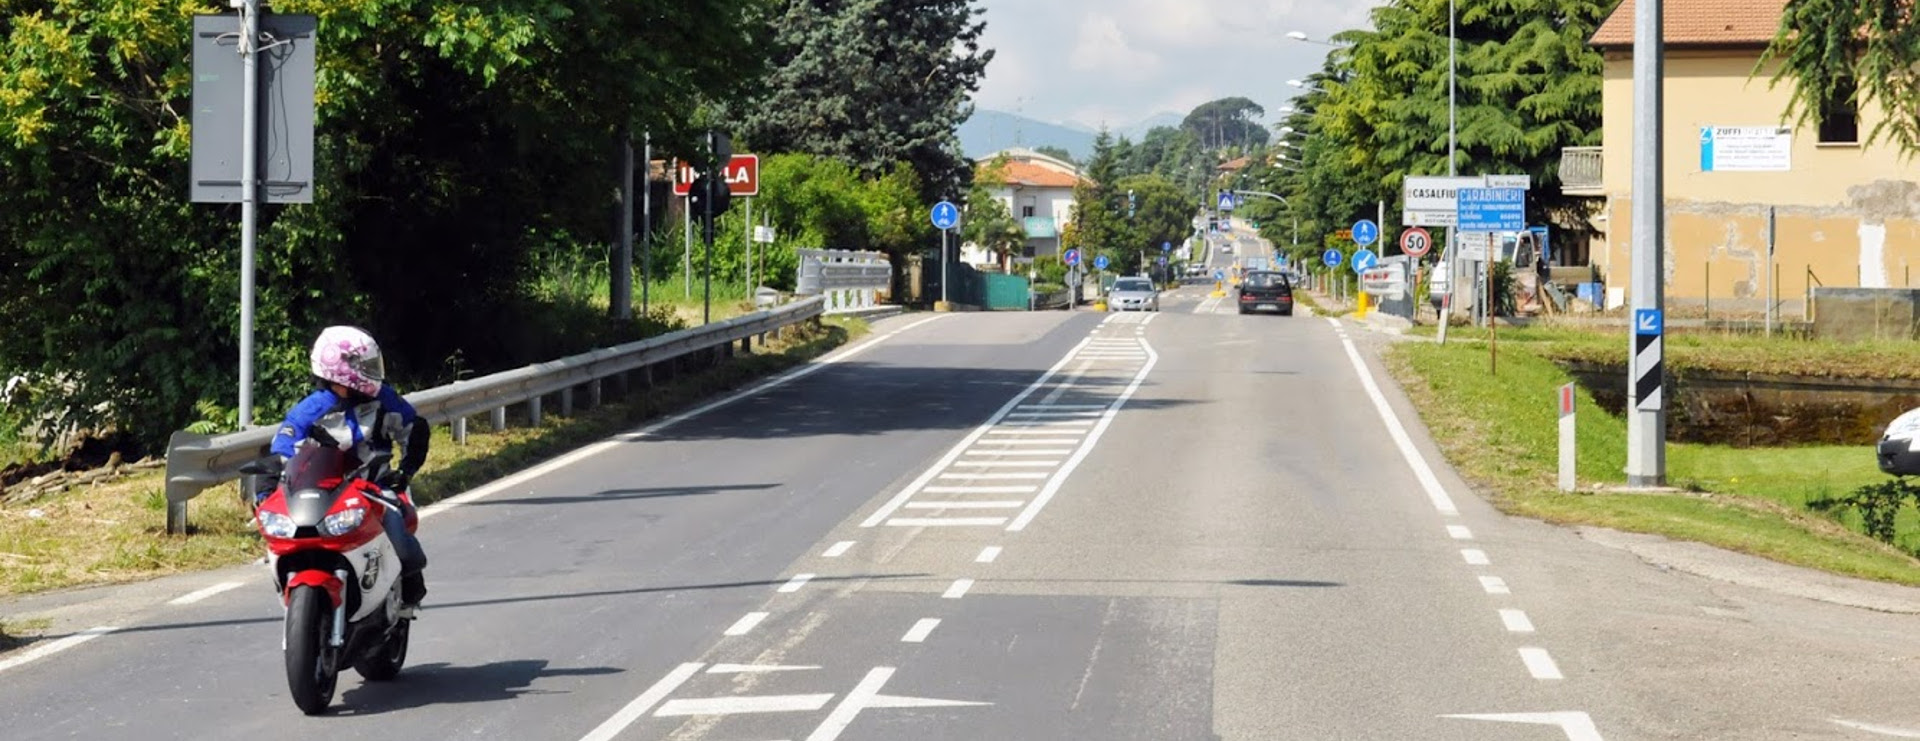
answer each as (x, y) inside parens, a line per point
(988, 223)
(1160, 214)
(874, 82)
(1226, 122)
(1096, 215)
(1839, 52)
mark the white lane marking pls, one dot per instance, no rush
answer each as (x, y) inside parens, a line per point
(1577, 725)
(1416, 461)
(920, 630)
(1070, 415)
(195, 596)
(50, 648)
(1539, 664)
(959, 589)
(1021, 489)
(613, 726)
(1067, 382)
(1048, 451)
(794, 584)
(1057, 426)
(1474, 556)
(1008, 464)
(755, 668)
(745, 624)
(866, 695)
(1877, 729)
(839, 549)
(1032, 441)
(1494, 585)
(1003, 431)
(1093, 437)
(1516, 621)
(1459, 532)
(907, 492)
(516, 479)
(946, 521)
(1038, 405)
(744, 704)
(1002, 504)
(987, 554)
(994, 476)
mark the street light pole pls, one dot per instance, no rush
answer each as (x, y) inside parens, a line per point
(1452, 251)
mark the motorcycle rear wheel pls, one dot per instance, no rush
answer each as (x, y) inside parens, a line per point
(385, 662)
(310, 671)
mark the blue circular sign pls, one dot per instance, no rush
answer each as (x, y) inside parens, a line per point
(1219, 274)
(1071, 257)
(1100, 262)
(945, 215)
(1364, 260)
(1165, 246)
(1365, 232)
(1162, 259)
(1332, 257)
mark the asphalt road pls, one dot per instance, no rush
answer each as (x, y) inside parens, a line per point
(1053, 525)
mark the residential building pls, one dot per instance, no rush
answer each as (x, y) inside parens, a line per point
(1844, 214)
(1038, 190)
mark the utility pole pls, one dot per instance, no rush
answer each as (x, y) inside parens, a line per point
(1646, 415)
(621, 284)
(646, 220)
(249, 193)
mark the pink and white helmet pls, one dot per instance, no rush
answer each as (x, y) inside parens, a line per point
(348, 356)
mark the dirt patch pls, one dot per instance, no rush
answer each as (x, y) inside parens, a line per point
(92, 452)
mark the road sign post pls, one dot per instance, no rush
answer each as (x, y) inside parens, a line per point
(1566, 437)
(1647, 427)
(945, 216)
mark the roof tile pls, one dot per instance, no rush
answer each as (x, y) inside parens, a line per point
(1698, 23)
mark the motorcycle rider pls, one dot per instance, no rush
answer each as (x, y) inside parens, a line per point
(353, 395)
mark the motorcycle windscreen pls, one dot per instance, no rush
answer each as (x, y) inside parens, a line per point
(310, 479)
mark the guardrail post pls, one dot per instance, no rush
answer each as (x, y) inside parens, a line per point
(460, 430)
(593, 394)
(746, 345)
(566, 402)
(499, 419)
(176, 518)
(533, 411)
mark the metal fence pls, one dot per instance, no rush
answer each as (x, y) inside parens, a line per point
(197, 462)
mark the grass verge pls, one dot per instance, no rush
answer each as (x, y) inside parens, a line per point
(116, 532)
(1500, 433)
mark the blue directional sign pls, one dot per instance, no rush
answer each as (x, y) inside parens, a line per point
(1491, 209)
(1648, 322)
(1071, 257)
(1332, 257)
(1280, 260)
(1365, 232)
(945, 215)
(1099, 262)
(1226, 200)
(1219, 274)
(1364, 260)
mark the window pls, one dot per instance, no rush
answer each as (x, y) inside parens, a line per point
(1026, 212)
(1840, 116)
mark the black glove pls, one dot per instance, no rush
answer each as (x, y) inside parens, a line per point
(395, 480)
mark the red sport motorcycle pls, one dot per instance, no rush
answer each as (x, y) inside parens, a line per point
(335, 569)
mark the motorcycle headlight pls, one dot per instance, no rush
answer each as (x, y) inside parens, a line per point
(276, 525)
(342, 522)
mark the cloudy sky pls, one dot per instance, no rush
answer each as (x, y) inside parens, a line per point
(1120, 61)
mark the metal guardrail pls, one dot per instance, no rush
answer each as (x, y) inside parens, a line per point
(198, 462)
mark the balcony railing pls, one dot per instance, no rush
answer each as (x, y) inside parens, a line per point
(1580, 171)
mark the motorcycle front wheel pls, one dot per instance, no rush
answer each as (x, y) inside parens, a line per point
(310, 670)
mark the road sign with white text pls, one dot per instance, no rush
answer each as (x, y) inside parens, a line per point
(1433, 201)
(1492, 210)
(743, 176)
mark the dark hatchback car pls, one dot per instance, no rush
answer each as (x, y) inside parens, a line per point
(1266, 290)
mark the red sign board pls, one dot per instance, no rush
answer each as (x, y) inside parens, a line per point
(743, 176)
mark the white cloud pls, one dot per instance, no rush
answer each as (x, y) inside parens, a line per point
(1121, 61)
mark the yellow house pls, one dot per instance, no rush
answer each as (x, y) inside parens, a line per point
(1845, 214)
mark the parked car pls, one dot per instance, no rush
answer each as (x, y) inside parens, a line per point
(1266, 290)
(1133, 293)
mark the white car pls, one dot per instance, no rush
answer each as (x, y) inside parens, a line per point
(1133, 294)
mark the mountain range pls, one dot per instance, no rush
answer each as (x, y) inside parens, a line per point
(990, 131)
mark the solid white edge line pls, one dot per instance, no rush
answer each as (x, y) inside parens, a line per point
(794, 584)
(1435, 493)
(43, 650)
(1516, 621)
(197, 595)
(1093, 436)
(958, 589)
(920, 630)
(838, 549)
(746, 623)
(1540, 663)
(515, 479)
(987, 554)
(1878, 730)
(892, 505)
(613, 726)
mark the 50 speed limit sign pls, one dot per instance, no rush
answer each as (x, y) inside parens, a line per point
(1415, 241)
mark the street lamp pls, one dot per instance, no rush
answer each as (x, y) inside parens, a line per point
(1305, 86)
(1302, 36)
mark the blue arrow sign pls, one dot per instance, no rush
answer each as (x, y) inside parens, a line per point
(1099, 262)
(1648, 322)
(1364, 260)
(1365, 232)
(1332, 257)
(1219, 274)
(945, 215)
(1071, 257)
